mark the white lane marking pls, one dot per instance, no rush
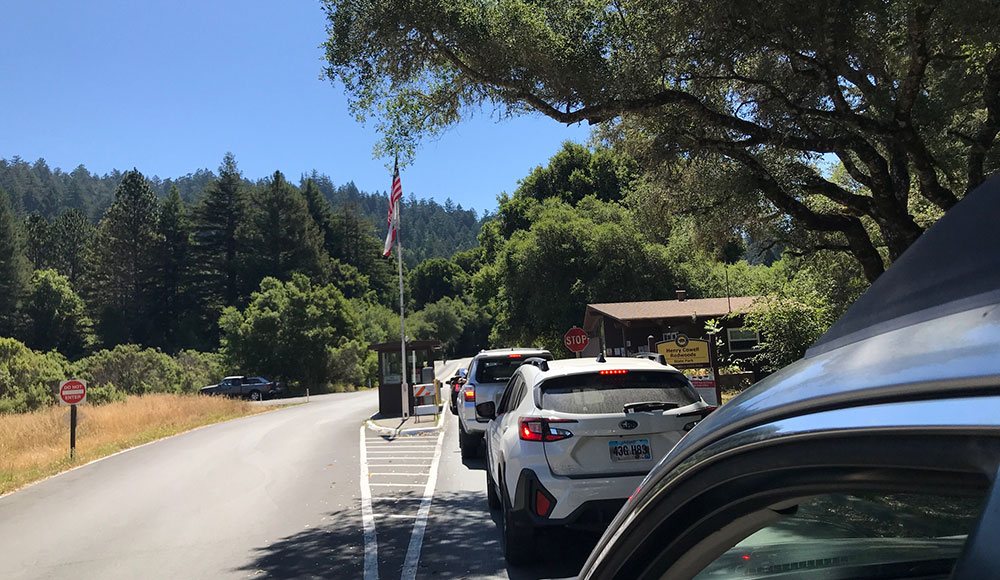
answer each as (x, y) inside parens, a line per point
(401, 453)
(396, 472)
(367, 517)
(390, 464)
(420, 525)
(395, 485)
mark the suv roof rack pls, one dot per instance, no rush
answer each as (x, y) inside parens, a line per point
(537, 361)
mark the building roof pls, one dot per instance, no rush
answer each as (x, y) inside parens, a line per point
(664, 309)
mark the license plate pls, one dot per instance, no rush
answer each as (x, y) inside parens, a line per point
(630, 450)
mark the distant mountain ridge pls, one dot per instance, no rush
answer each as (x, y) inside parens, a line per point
(429, 230)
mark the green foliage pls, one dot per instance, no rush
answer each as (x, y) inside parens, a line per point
(28, 379)
(54, 317)
(131, 369)
(291, 331)
(567, 259)
(124, 262)
(71, 235)
(435, 279)
(14, 267)
(105, 393)
(217, 216)
(279, 236)
(574, 173)
(747, 96)
(175, 308)
(787, 327)
(462, 327)
(198, 369)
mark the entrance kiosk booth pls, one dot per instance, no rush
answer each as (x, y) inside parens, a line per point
(420, 354)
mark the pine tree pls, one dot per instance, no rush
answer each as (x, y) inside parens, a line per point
(320, 210)
(124, 267)
(71, 235)
(173, 302)
(14, 267)
(217, 218)
(280, 235)
(37, 240)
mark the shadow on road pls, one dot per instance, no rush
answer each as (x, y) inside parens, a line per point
(464, 540)
(335, 550)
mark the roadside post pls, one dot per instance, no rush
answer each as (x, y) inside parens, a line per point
(576, 340)
(72, 392)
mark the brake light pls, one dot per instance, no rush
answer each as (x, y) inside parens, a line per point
(613, 372)
(457, 387)
(470, 394)
(539, 429)
(514, 356)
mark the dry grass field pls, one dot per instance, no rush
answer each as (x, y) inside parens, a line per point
(36, 445)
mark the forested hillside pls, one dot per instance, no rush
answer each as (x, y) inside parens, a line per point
(431, 230)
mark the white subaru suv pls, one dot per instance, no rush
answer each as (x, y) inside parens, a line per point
(570, 440)
(488, 373)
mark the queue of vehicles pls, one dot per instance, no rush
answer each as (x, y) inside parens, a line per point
(875, 456)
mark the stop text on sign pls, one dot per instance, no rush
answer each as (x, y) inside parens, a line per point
(576, 339)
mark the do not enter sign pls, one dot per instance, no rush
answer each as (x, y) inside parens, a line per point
(576, 339)
(72, 392)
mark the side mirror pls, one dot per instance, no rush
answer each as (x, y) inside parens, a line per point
(487, 409)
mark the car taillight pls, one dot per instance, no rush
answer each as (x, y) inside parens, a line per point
(513, 356)
(457, 387)
(613, 372)
(470, 394)
(539, 429)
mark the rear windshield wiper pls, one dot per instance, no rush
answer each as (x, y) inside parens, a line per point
(648, 406)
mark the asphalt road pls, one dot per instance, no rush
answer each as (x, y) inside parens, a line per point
(276, 495)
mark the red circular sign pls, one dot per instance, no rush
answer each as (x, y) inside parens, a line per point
(576, 339)
(72, 391)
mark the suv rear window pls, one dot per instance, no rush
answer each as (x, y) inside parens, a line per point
(594, 393)
(500, 370)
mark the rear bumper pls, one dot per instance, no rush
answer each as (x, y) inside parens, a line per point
(588, 504)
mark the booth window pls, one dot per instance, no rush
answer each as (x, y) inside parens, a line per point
(743, 339)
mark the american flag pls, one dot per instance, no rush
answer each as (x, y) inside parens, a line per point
(394, 197)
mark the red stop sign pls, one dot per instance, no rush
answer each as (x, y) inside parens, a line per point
(72, 391)
(576, 339)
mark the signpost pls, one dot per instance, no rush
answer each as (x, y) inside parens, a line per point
(576, 340)
(72, 392)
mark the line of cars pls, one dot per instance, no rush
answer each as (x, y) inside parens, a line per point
(567, 441)
(876, 456)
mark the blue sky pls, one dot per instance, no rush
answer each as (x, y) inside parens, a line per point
(170, 87)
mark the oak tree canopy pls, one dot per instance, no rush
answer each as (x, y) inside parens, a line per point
(760, 95)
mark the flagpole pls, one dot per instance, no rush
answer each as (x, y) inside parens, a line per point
(402, 317)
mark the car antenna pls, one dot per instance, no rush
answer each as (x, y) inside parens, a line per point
(600, 358)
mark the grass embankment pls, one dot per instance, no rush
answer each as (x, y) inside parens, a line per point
(36, 445)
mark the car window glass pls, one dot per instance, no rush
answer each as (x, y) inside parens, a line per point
(496, 370)
(856, 536)
(518, 396)
(505, 398)
(595, 393)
